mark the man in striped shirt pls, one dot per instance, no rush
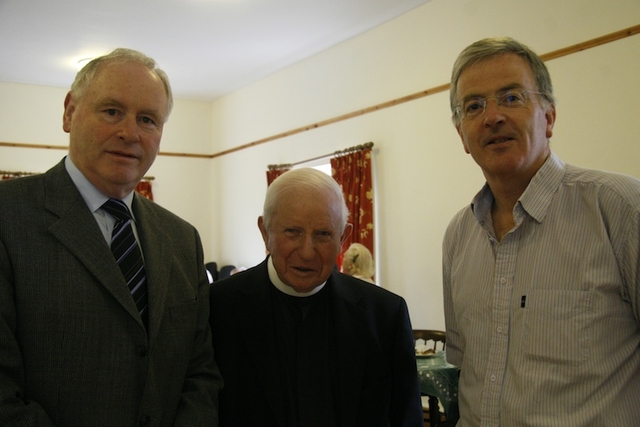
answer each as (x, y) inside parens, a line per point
(541, 272)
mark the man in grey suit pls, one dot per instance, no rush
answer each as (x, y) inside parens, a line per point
(75, 348)
(313, 347)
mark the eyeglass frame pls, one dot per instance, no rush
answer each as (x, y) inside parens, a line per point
(458, 110)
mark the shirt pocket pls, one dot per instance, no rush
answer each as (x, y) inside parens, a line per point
(556, 326)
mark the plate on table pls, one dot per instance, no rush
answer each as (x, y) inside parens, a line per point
(426, 356)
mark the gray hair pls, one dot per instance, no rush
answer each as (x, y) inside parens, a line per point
(492, 47)
(87, 73)
(303, 179)
(359, 259)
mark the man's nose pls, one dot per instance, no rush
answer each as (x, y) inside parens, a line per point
(307, 247)
(493, 112)
(129, 129)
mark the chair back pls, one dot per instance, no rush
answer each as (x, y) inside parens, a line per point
(213, 269)
(432, 338)
(225, 271)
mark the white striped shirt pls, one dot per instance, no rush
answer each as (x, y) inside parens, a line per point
(545, 324)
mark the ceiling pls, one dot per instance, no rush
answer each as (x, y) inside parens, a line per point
(208, 47)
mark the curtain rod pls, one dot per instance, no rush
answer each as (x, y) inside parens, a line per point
(61, 147)
(360, 147)
(19, 174)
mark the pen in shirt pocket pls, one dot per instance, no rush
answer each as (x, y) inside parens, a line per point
(523, 301)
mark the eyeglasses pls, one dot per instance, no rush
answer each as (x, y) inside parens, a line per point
(475, 106)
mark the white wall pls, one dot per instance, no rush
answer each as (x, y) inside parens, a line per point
(424, 176)
(33, 115)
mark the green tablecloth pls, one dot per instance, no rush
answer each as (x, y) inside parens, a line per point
(440, 379)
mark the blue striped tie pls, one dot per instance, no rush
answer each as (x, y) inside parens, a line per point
(127, 253)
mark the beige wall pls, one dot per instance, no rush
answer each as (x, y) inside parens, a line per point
(33, 115)
(424, 177)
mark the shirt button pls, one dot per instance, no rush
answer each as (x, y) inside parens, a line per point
(493, 377)
(500, 329)
(503, 280)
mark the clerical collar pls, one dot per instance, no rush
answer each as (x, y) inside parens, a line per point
(286, 289)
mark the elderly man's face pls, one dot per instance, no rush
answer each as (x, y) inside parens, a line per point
(116, 126)
(305, 238)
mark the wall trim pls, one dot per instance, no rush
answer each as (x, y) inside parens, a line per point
(579, 47)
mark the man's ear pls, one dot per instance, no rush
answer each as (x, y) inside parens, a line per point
(263, 231)
(346, 233)
(69, 109)
(550, 115)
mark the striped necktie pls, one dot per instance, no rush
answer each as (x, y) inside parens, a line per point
(127, 253)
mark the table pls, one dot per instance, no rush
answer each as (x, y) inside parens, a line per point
(439, 380)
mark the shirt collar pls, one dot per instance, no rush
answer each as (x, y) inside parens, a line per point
(283, 287)
(91, 195)
(537, 196)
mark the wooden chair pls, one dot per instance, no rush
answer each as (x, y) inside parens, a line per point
(432, 338)
(437, 341)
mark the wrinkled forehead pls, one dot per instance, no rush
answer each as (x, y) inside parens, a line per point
(307, 204)
(493, 75)
(130, 83)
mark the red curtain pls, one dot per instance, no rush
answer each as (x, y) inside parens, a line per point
(352, 169)
(275, 171)
(144, 189)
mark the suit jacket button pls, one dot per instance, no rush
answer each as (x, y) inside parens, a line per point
(144, 421)
(141, 351)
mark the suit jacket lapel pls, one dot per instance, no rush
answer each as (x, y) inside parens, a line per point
(89, 247)
(351, 333)
(157, 248)
(260, 328)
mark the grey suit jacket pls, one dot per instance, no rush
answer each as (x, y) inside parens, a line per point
(73, 349)
(378, 379)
